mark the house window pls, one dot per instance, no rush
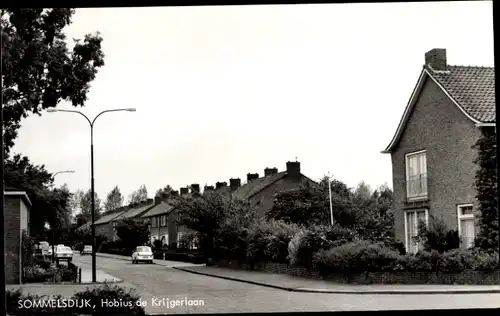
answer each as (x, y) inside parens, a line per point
(153, 221)
(466, 229)
(416, 175)
(179, 238)
(163, 220)
(412, 222)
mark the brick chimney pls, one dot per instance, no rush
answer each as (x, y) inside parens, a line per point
(220, 185)
(174, 193)
(184, 191)
(293, 169)
(149, 201)
(436, 59)
(158, 199)
(195, 188)
(270, 171)
(252, 176)
(234, 183)
(208, 188)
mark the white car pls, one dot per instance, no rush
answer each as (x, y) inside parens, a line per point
(142, 253)
(64, 253)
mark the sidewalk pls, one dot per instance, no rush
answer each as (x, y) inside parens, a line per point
(296, 284)
(165, 263)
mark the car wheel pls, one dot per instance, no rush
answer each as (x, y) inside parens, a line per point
(151, 262)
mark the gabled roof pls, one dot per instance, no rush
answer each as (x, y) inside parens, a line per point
(470, 88)
(108, 218)
(137, 211)
(160, 209)
(253, 187)
(10, 191)
(84, 226)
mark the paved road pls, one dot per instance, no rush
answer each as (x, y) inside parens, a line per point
(223, 296)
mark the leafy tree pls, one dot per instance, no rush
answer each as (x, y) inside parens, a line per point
(486, 185)
(51, 205)
(139, 195)
(85, 205)
(39, 70)
(363, 191)
(114, 200)
(132, 232)
(166, 190)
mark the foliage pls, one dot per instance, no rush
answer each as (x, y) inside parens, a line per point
(39, 71)
(436, 236)
(27, 249)
(187, 239)
(355, 257)
(319, 238)
(36, 181)
(132, 232)
(166, 190)
(114, 200)
(486, 185)
(139, 195)
(158, 244)
(108, 292)
(85, 205)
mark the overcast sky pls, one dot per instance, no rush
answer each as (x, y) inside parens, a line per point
(224, 91)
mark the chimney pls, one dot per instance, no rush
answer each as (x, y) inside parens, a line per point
(252, 176)
(195, 188)
(184, 191)
(149, 201)
(234, 183)
(293, 169)
(220, 185)
(158, 199)
(270, 171)
(208, 188)
(174, 193)
(436, 59)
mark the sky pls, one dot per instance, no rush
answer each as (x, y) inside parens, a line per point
(222, 91)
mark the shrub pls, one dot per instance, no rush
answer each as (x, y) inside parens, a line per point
(79, 246)
(268, 241)
(157, 244)
(358, 256)
(423, 261)
(437, 236)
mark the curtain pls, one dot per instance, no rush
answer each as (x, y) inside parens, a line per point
(467, 231)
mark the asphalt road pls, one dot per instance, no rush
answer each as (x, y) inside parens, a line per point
(223, 296)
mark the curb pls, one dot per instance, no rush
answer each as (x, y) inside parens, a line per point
(359, 292)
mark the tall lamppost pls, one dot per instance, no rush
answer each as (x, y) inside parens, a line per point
(91, 123)
(330, 194)
(59, 172)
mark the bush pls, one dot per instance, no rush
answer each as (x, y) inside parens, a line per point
(79, 246)
(316, 239)
(423, 261)
(96, 295)
(157, 244)
(359, 256)
(437, 236)
(268, 241)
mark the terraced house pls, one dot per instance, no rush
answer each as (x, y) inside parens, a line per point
(432, 156)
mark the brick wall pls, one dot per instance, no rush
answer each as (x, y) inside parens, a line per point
(466, 277)
(159, 231)
(439, 127)
(12, 239)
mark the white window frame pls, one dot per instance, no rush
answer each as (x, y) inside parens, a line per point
(460, 216)
(407, 245)
(153, 222)
(407, 156)
(163, 220)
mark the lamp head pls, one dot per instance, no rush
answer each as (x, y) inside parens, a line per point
(51, 110)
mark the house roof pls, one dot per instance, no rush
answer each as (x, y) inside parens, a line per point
(470, 88)
(160, 209)
(253, 187)
(10, 191)
(84, 226)
(134, 212)
(108, 218)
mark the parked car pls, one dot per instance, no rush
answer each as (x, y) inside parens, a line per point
(44, 246)
(142, 253)
(87, 250)
(64, 253)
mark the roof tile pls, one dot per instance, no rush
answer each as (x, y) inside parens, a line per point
(160, 209)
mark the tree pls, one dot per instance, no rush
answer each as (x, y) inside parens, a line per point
(166, 190)
(114, 200)
(85, 205)
(139, 195)
(486, 186)
(39, 70)
(51, 205)
(132, 232)
(363, 191)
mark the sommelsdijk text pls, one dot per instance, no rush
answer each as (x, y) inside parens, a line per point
(54, 303)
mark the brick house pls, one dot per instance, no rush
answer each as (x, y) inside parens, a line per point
(16, 220)
(158, 220)
(432, 156)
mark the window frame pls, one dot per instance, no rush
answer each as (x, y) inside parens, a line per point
(163, 220)
(426, 210)
(407, 175)
(461, 216)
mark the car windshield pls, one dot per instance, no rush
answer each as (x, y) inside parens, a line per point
(66, 249)
(88, 247)
(143, 249)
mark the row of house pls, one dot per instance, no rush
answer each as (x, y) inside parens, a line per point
(432, 156)
(258, 190)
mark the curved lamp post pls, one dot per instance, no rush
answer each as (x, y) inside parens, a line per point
(91, 123)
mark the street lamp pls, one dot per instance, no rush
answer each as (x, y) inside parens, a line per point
(91, 123)
(330, 194)
(59, 172)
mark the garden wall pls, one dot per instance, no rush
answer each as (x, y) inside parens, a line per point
(469, 277)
